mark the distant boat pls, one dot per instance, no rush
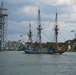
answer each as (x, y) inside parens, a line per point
(39, 50)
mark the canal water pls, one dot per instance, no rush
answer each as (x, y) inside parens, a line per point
(19, 63)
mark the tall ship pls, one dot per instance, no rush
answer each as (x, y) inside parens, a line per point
(38, 49)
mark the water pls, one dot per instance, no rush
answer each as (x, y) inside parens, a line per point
(19, 63)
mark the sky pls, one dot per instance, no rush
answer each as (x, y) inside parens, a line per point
(20, 12)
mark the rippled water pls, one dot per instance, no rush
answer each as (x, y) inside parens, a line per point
(19, 63)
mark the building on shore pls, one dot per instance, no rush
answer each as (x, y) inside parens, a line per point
(13, 46)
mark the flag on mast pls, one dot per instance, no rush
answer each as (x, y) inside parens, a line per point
(20, 35)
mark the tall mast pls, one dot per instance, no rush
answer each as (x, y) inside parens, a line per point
(39, 28)
(56, 31)
(30, 33)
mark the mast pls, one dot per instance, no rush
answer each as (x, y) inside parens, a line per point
(30, 34)
(39, 28)
(56, 31)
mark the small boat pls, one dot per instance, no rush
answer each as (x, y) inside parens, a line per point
(38, 50)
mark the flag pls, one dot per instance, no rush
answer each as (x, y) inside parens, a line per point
(72, 30)
(20, 35)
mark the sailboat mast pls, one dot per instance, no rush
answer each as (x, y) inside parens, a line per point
(39, 28)
(56, 30)
(30, 33)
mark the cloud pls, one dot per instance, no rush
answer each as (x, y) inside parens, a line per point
(46, 2)
(64, 2)
(21, 11)
(16, 37)
(30, 10)
(16, 1)
(56, 2)
(22, 28)
(17, 27)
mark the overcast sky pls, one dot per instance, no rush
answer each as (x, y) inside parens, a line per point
(20, 12)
